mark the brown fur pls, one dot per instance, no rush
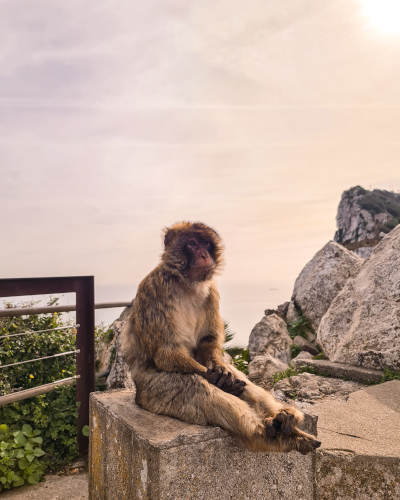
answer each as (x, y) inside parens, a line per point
(175, 332)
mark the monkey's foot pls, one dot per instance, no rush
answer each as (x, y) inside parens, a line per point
(285, 420)
(304, 443)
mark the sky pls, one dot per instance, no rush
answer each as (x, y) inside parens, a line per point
(118, 118)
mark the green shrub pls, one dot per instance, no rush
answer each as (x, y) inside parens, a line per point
(53, 414)
(36, 345)
(295, 350)
(241, 361)
(321, 355)
(292, 372)
(389, 374)
(19, 450)
(299, 327)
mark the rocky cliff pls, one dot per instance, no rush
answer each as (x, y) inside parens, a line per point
(366, 215)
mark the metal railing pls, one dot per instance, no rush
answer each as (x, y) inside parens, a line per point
(83, 287)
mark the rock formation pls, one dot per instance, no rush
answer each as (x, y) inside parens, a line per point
(264, 367)
(362, 325)
(365, 214)
(321, 280)
(270, 336)
(110, 357)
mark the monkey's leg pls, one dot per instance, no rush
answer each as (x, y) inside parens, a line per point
(192, 399)
(277, 415)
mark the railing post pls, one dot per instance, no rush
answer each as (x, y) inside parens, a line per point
(85, 360)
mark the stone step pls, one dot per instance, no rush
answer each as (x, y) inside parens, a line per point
(341, 370)
(360, 453)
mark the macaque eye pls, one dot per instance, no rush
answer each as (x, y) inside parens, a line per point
(192, 243)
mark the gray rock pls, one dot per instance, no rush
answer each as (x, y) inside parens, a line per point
(340, 370)
(264, 367)
(292, 313)
(305, 345)
(270, 336)
(110, 356)
(302, 356)
(322, 279)
(362, 326)
(310, 388)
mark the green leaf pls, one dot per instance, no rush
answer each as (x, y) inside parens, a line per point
(3, 480)
(18, 482)
(30, 456)
(36, 432)
(85, 430)
(38, 452)
(19, 438)
(38, 440)
(26, 428)
(20, 453)
(29, 446)
(33, 479)
(23, 463)
(4, 428)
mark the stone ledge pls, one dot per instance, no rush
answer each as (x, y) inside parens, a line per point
(342, 475)
(138, 454)
(340, 370)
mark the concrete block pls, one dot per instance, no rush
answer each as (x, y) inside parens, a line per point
(135, 454)
(341, 475)
(341, 370)
(360, 453)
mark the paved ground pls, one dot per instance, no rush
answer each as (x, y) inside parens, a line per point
(74, 487)
(367, 424)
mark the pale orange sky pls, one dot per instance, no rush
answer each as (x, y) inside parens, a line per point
(118, 118)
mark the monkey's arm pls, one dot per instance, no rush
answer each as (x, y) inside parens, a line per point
(177, 359)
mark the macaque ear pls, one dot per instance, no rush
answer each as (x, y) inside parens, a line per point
(169, 236)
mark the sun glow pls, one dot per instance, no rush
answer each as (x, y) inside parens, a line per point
(384, 14)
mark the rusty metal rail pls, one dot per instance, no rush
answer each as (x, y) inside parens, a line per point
(83, 287)
(26, 311)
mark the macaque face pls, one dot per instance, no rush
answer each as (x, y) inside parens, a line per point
(201, 263)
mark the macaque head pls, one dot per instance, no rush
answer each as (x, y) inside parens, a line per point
(192, 250)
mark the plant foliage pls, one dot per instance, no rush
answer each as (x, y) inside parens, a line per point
(292, 372)
(19, 452)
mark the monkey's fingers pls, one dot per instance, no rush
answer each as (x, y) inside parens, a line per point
(270, 428)
(223, 380)
(236, 388)
(213, 374)
(287, 420)
(229, 380)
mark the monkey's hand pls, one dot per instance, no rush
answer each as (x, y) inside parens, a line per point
(223, 378)
(284, 421)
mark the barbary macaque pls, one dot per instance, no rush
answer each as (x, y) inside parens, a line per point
(173, 345)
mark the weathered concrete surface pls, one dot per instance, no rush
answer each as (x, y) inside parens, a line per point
(138, 454)
(360, 453)
(341, 370)
(73, 487)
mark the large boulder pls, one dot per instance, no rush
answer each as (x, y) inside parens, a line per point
(264, 367)
(362, 325)
(322, 279)
(270, 336)
(109, 356)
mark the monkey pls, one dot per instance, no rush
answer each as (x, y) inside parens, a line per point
(173, 342)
